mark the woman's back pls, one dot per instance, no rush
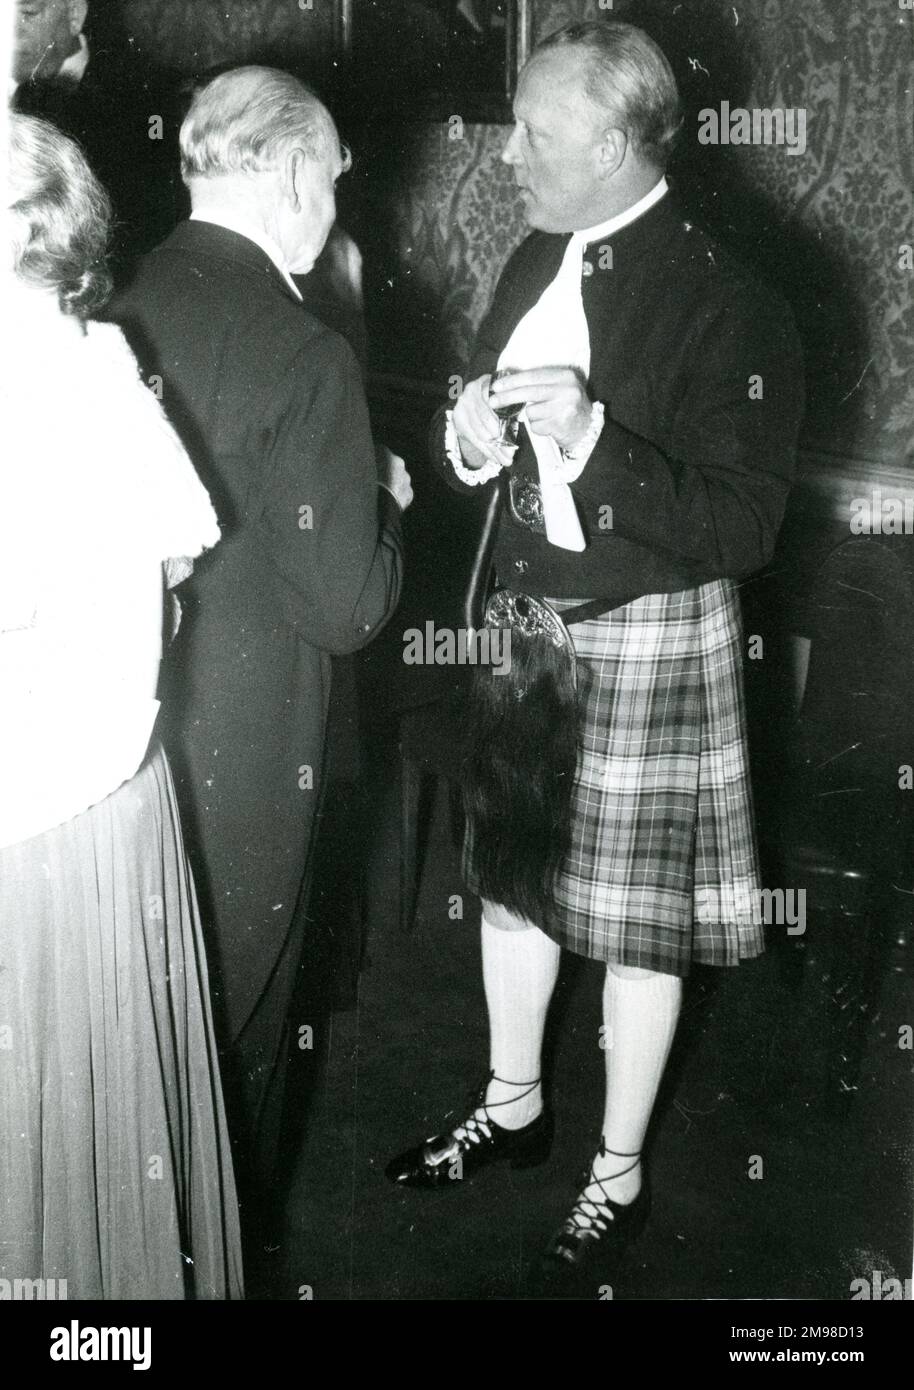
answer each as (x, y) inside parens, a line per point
(95, 494)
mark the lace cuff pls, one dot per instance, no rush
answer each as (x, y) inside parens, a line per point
(473, 476)
(574, 461)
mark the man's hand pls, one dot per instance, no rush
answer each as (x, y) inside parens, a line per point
(556, 401)
(395, 477)
(478, 426)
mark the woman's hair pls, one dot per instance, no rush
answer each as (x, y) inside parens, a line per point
(628, 77)
(61, 216)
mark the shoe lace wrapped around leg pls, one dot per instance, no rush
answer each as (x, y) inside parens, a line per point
(592, 1215)
(478, 1126)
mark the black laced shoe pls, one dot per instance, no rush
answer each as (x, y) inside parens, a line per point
(459, 1152)
(586, 1250)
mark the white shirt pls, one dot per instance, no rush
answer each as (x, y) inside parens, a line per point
(585, 237)
(232, 221)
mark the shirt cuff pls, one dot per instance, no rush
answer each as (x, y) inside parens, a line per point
(473, 476)
(575, 460)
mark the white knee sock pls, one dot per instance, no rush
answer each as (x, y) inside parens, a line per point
(639, 1017)
(519, 971)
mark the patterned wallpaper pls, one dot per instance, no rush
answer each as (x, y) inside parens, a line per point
(436, 216)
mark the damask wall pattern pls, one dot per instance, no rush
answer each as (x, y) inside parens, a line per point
(450, 231)
(850, 200)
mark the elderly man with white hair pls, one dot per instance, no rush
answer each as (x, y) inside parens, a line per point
(270, 405)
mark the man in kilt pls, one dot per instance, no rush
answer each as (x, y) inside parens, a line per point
(677, 442)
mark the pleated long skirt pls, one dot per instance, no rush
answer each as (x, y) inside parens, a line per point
(115, 1165)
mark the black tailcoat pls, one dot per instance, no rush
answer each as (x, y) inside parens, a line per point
(270, 405)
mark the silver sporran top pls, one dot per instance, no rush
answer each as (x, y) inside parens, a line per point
(529, 616)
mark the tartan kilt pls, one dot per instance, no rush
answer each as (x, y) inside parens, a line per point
(663, 865)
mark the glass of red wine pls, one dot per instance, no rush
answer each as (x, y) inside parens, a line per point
(507, 414)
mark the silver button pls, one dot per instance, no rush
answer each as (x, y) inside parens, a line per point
(521, 566)
(587, 269)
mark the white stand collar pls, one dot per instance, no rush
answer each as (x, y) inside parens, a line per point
(622, 219)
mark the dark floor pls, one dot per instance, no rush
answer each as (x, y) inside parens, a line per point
(748, 1080)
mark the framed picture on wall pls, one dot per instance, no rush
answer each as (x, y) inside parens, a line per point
(435, 57)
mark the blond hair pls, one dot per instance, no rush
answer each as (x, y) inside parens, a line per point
(63, 215)
(629, 78)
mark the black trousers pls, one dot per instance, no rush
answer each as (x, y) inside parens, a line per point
(255, 1065)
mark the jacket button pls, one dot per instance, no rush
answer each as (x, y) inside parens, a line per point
(587, 269)
(364, 627)
(521, 566)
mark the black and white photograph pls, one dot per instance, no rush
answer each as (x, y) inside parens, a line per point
(457, 662)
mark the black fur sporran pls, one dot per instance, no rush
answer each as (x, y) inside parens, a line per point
(523, 737)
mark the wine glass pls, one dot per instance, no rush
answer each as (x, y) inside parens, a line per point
(507, 414)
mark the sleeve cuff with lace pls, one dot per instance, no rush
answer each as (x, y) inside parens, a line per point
(473, 476)
(574, 461)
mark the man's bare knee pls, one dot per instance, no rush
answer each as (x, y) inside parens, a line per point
(500, 917)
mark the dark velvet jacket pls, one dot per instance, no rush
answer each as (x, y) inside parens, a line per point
(270, 405)
(691, 473)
